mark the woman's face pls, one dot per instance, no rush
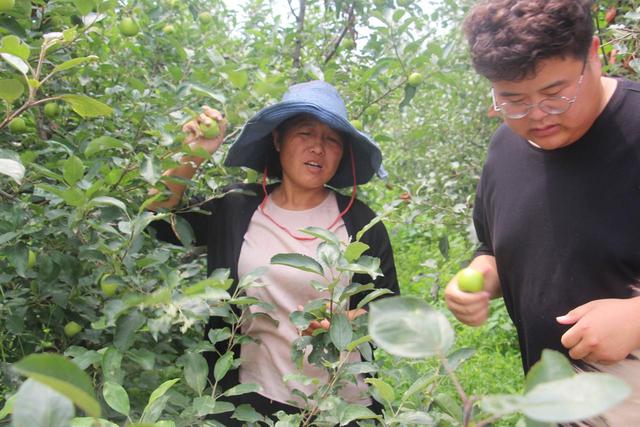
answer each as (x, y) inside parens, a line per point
(310, 152)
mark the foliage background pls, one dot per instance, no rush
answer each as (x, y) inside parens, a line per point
(77, 208)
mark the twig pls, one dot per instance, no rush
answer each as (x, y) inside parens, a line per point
(347, 26)
(298, 48)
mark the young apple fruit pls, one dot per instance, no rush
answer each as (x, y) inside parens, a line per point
(470, 280)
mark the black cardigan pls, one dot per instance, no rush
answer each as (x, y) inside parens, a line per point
(223, 230)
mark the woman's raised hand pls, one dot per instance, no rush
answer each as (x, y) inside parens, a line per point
(207, 130)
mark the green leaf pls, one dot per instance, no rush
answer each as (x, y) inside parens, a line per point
(72, 170)
(74, 62)
(365, 265)
(111, 365)
(183, 230)
(449, 405)
(409, 327)
(384, 390)
(242, 389)
(126, 328)
(456, 358)
(108, 201)
(299, 261)
(10, 89)
(161, 390)
(13, 169)
(329, 254)
(87, 107)
(373, 295)
(7, 409)
(409, 93)
(355, 250)
(62, 375)
(552, 366)
(245, 412)
(576, 398)
(91, 422)
(355, 412)
(340, 331)
(195, 371)
(238, 78)
(322, 234)
(104, 143)
(207, 405)
(361, 340)
(419, 385)
(222, 366)
(16, 62)
(37, 405)
(14, 46)
(84, 6)
(116, 396)
(151, 170)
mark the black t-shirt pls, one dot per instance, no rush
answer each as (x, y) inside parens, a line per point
(564, 225)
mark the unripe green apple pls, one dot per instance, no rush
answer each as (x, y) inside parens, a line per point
(470, 280)
(71, 329)
(110, 284)
(357, 124)
(210, 131)
(6, 5)
(31, 262)
(205, 17)
(168, 29)
(17, 125)
(415, 79)
(128, 27)
(51, 110)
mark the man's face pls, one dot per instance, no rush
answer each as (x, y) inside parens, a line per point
(555, 77)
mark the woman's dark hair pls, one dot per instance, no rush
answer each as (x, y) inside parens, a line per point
(509, 38)
(274, 168)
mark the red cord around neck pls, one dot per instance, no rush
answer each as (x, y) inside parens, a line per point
(285, 229)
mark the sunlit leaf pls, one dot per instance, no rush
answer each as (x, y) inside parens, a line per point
(39, 405)
(116, 396)
(62, 375)
(299, 261)
(409, 327)
(86, 106)
(11, 89)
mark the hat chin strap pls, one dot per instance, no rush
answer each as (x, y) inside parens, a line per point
(343, 213)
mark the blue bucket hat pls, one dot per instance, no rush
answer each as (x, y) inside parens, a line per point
(254, 146)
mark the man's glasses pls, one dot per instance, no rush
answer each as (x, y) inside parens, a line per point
(553, 105)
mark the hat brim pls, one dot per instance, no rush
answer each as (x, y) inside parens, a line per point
(252, 147)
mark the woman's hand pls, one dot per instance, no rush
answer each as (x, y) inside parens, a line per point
(195, 130)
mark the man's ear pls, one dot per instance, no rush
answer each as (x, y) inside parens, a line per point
(276, 139)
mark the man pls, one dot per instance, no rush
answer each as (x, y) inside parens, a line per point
(557, 208)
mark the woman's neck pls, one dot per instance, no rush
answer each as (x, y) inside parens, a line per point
(295, 199)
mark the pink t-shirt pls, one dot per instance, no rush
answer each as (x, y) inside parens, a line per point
(285, 288)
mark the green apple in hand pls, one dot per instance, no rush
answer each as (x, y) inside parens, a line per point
(470, 280)
(210, 131)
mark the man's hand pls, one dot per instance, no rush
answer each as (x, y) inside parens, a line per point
(473, 308)
(603, 331)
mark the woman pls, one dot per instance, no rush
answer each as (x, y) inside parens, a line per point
(307, 142)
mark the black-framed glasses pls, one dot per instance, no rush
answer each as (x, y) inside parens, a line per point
(553, 105)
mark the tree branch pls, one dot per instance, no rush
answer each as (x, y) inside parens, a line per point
(347, 26)
(298, 49)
